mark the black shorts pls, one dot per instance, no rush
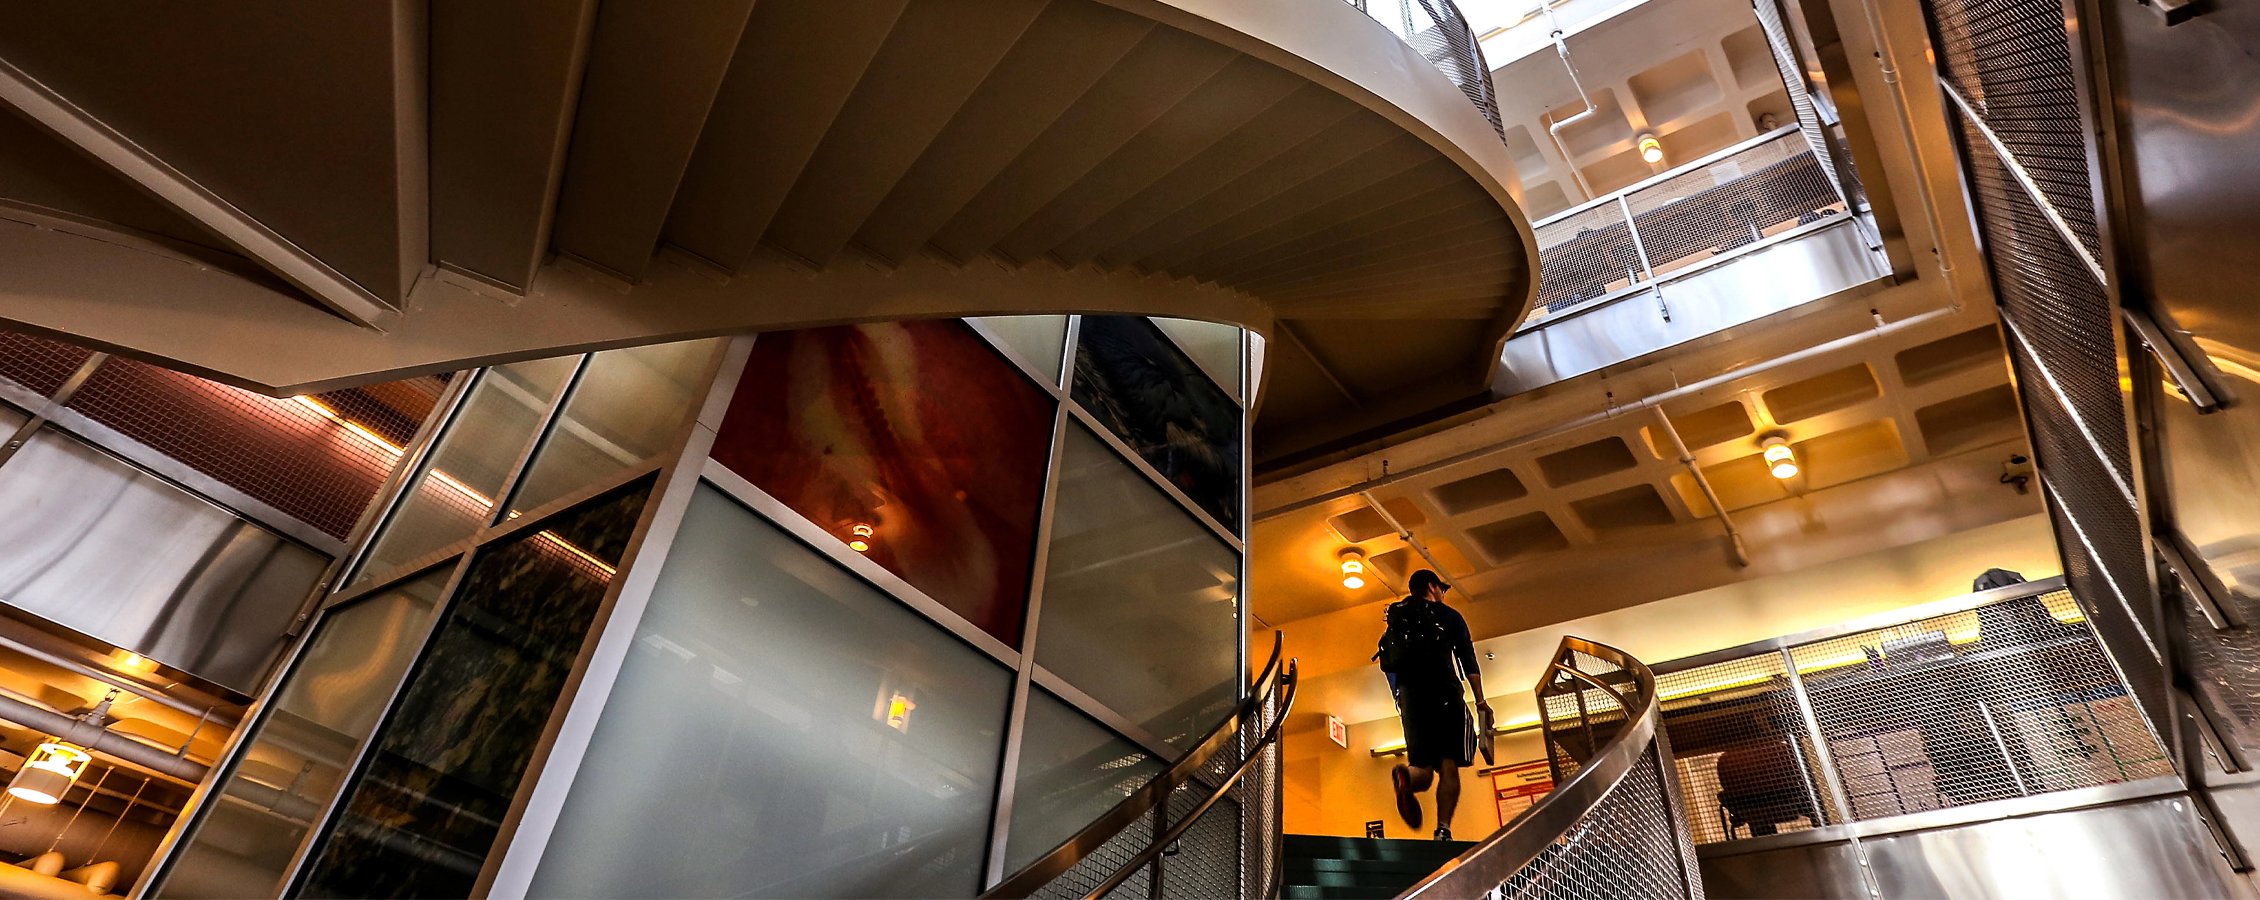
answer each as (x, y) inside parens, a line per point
(1436, 731)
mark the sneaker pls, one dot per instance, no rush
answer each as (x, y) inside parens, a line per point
(1443, 833)
(1408, 805)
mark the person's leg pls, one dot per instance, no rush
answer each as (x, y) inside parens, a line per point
(1419, 777)
(1447, 791)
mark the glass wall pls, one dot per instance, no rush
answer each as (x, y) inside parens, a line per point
(827, 681)
(932, 610)
(402, 737)
(805, 734)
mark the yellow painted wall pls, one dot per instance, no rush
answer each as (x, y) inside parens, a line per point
(1333, 790)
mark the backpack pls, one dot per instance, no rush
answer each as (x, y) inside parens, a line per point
(1401, 639)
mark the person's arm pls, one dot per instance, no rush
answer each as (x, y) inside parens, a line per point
(1463, 646)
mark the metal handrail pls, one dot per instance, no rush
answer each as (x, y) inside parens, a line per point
(1489, 864)
(1463, 62)
(1666, 175)
(1141, 803)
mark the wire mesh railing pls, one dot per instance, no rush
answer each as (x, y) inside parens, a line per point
(1630, 241)
(2001, 695)
(1440, 33)
(1208, 826)
(1616, 825)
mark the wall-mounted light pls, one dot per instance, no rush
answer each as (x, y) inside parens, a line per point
(1353, 568)
(1651, 149)
(898, 712)
(859, 537)
(1780, 460)
(48, 773)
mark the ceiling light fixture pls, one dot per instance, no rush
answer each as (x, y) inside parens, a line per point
(49, 772)
(1353, 568)
(1651, 149)
(1780, 459)
(860, 537)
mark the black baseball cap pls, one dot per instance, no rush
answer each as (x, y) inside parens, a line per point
(1425, 577)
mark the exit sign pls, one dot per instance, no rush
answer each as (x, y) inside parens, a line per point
(1338, 731)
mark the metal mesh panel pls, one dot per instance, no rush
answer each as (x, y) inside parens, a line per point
(1583, 257)
(2012, 60)
(2063, 329)
(1741, 752)
(1627, 846)
(1705, 211)
(1205, 861)
(1438, 30)
(1092, 870)
(318, 459)
(38, 364)
(2003, 701)
(1793, 80)
(1733, 202)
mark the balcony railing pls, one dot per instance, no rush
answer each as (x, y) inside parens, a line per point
(1624, 243)
(1438, 30)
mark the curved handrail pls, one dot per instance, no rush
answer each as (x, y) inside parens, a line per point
(1141, 803)
(1491, 863)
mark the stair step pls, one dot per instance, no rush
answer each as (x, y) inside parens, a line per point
(1397, 881)
(1294, 891)
(1297, 867)
(1314, 846)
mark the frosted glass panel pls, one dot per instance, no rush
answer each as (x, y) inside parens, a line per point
(455, 494)
(626, 410)
(1140, 599)
(781, 729)
(1040, 341)
(1072, 770)
(296, 761)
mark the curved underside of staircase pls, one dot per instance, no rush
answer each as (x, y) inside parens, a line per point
(359, 191)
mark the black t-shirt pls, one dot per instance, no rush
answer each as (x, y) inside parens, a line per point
(1439, 652)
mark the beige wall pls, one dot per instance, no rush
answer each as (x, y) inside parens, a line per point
(1333, 790)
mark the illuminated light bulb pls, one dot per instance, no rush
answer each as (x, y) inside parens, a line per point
(1651, 149)
(861, 537)
(48, 773)
(1780, 460)
(1353, 569)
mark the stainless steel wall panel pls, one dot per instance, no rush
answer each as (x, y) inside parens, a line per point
(2148, 849)
(1788, 873)
(2186, 102)
(102, 547)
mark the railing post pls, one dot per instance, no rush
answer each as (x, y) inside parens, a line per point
(1647, 269)
(1829, 773)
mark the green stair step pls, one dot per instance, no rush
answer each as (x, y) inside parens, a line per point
(1300, 891)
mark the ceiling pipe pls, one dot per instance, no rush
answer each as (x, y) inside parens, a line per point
(1554, 126)
(1403, 533)
(1733, 534)
(89, 732)
(1821, 349)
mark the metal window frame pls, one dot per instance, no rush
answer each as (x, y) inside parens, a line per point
(254, 717)
(515, 857)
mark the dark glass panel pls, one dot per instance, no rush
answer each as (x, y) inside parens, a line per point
(425, 811)
(1153, 397)
(918, 430)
